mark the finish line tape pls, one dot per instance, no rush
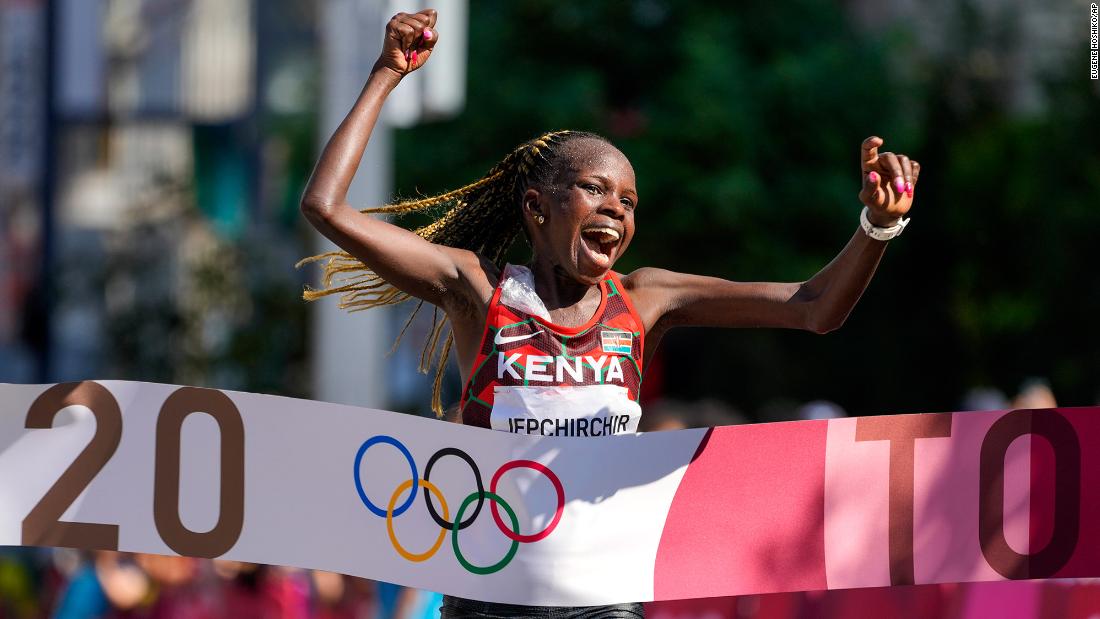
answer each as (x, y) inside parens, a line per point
(858, 502)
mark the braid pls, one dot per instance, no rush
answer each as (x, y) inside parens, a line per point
(483, 217)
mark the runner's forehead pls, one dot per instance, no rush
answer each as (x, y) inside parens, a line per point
(590, 156)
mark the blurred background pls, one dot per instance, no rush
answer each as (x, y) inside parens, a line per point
(152, 154)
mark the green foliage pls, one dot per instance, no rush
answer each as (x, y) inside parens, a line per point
(186, 306)
(743, 123)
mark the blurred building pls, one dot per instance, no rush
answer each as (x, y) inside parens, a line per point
(1003, 49)
(168, 135)
(153, 153)
(22, 125)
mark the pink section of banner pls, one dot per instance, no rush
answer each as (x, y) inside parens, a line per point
(748, 515)
(1050, 479)
(857, 490)
(981, 499)
(946, 544)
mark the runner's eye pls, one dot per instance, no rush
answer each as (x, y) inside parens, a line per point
(590, 188)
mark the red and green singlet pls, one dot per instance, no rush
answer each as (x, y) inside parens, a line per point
(535, 377)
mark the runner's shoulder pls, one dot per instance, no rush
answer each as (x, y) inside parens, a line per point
(651, 290)
(648, 278)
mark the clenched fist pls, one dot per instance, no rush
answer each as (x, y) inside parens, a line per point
(888, 183)
(409, 40)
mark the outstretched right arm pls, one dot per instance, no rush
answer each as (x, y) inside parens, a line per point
(408, 262)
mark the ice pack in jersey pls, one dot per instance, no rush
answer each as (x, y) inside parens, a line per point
(534, 377)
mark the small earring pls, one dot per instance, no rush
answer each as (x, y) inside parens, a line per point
(541, 219)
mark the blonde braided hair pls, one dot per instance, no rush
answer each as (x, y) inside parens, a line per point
(483, 217)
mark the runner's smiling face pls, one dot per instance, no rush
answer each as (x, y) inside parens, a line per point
(588, 211)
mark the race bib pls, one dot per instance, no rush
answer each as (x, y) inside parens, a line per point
(589, 410)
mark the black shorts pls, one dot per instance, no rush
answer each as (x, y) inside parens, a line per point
(461, 608)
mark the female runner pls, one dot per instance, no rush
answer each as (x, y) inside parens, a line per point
(556, 347)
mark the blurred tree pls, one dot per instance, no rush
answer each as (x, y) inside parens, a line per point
(186, 306)
(744, 127)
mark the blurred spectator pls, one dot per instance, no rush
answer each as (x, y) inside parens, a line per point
(107, 581)
(1034, 393)
(984, 399)
(821, 409)
(666, 414)
(343, 597)
(263, 591)
(419, 604)
(25, 576)
(661, 417)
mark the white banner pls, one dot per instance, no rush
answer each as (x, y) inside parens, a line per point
(508, 517)
(276, 480)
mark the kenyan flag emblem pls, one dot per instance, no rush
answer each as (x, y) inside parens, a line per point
(617, 342)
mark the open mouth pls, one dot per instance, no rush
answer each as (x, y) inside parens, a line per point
(601, 243)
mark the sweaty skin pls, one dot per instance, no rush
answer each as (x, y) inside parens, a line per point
(597, 189)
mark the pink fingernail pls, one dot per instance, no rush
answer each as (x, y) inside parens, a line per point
(414, 57)
(427, 35)
(909, 189)
(406, 55)
(899, 185)
(873, 177)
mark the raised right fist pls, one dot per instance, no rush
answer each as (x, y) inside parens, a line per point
(409, 40)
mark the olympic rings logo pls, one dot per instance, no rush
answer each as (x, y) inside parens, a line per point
(415, 482)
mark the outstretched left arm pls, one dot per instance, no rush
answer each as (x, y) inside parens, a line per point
(821, 304)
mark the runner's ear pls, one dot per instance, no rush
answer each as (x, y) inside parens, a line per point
(531, 205)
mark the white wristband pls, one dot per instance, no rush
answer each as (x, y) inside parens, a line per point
(878, 233)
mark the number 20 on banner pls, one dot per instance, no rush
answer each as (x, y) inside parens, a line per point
(43, 525)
